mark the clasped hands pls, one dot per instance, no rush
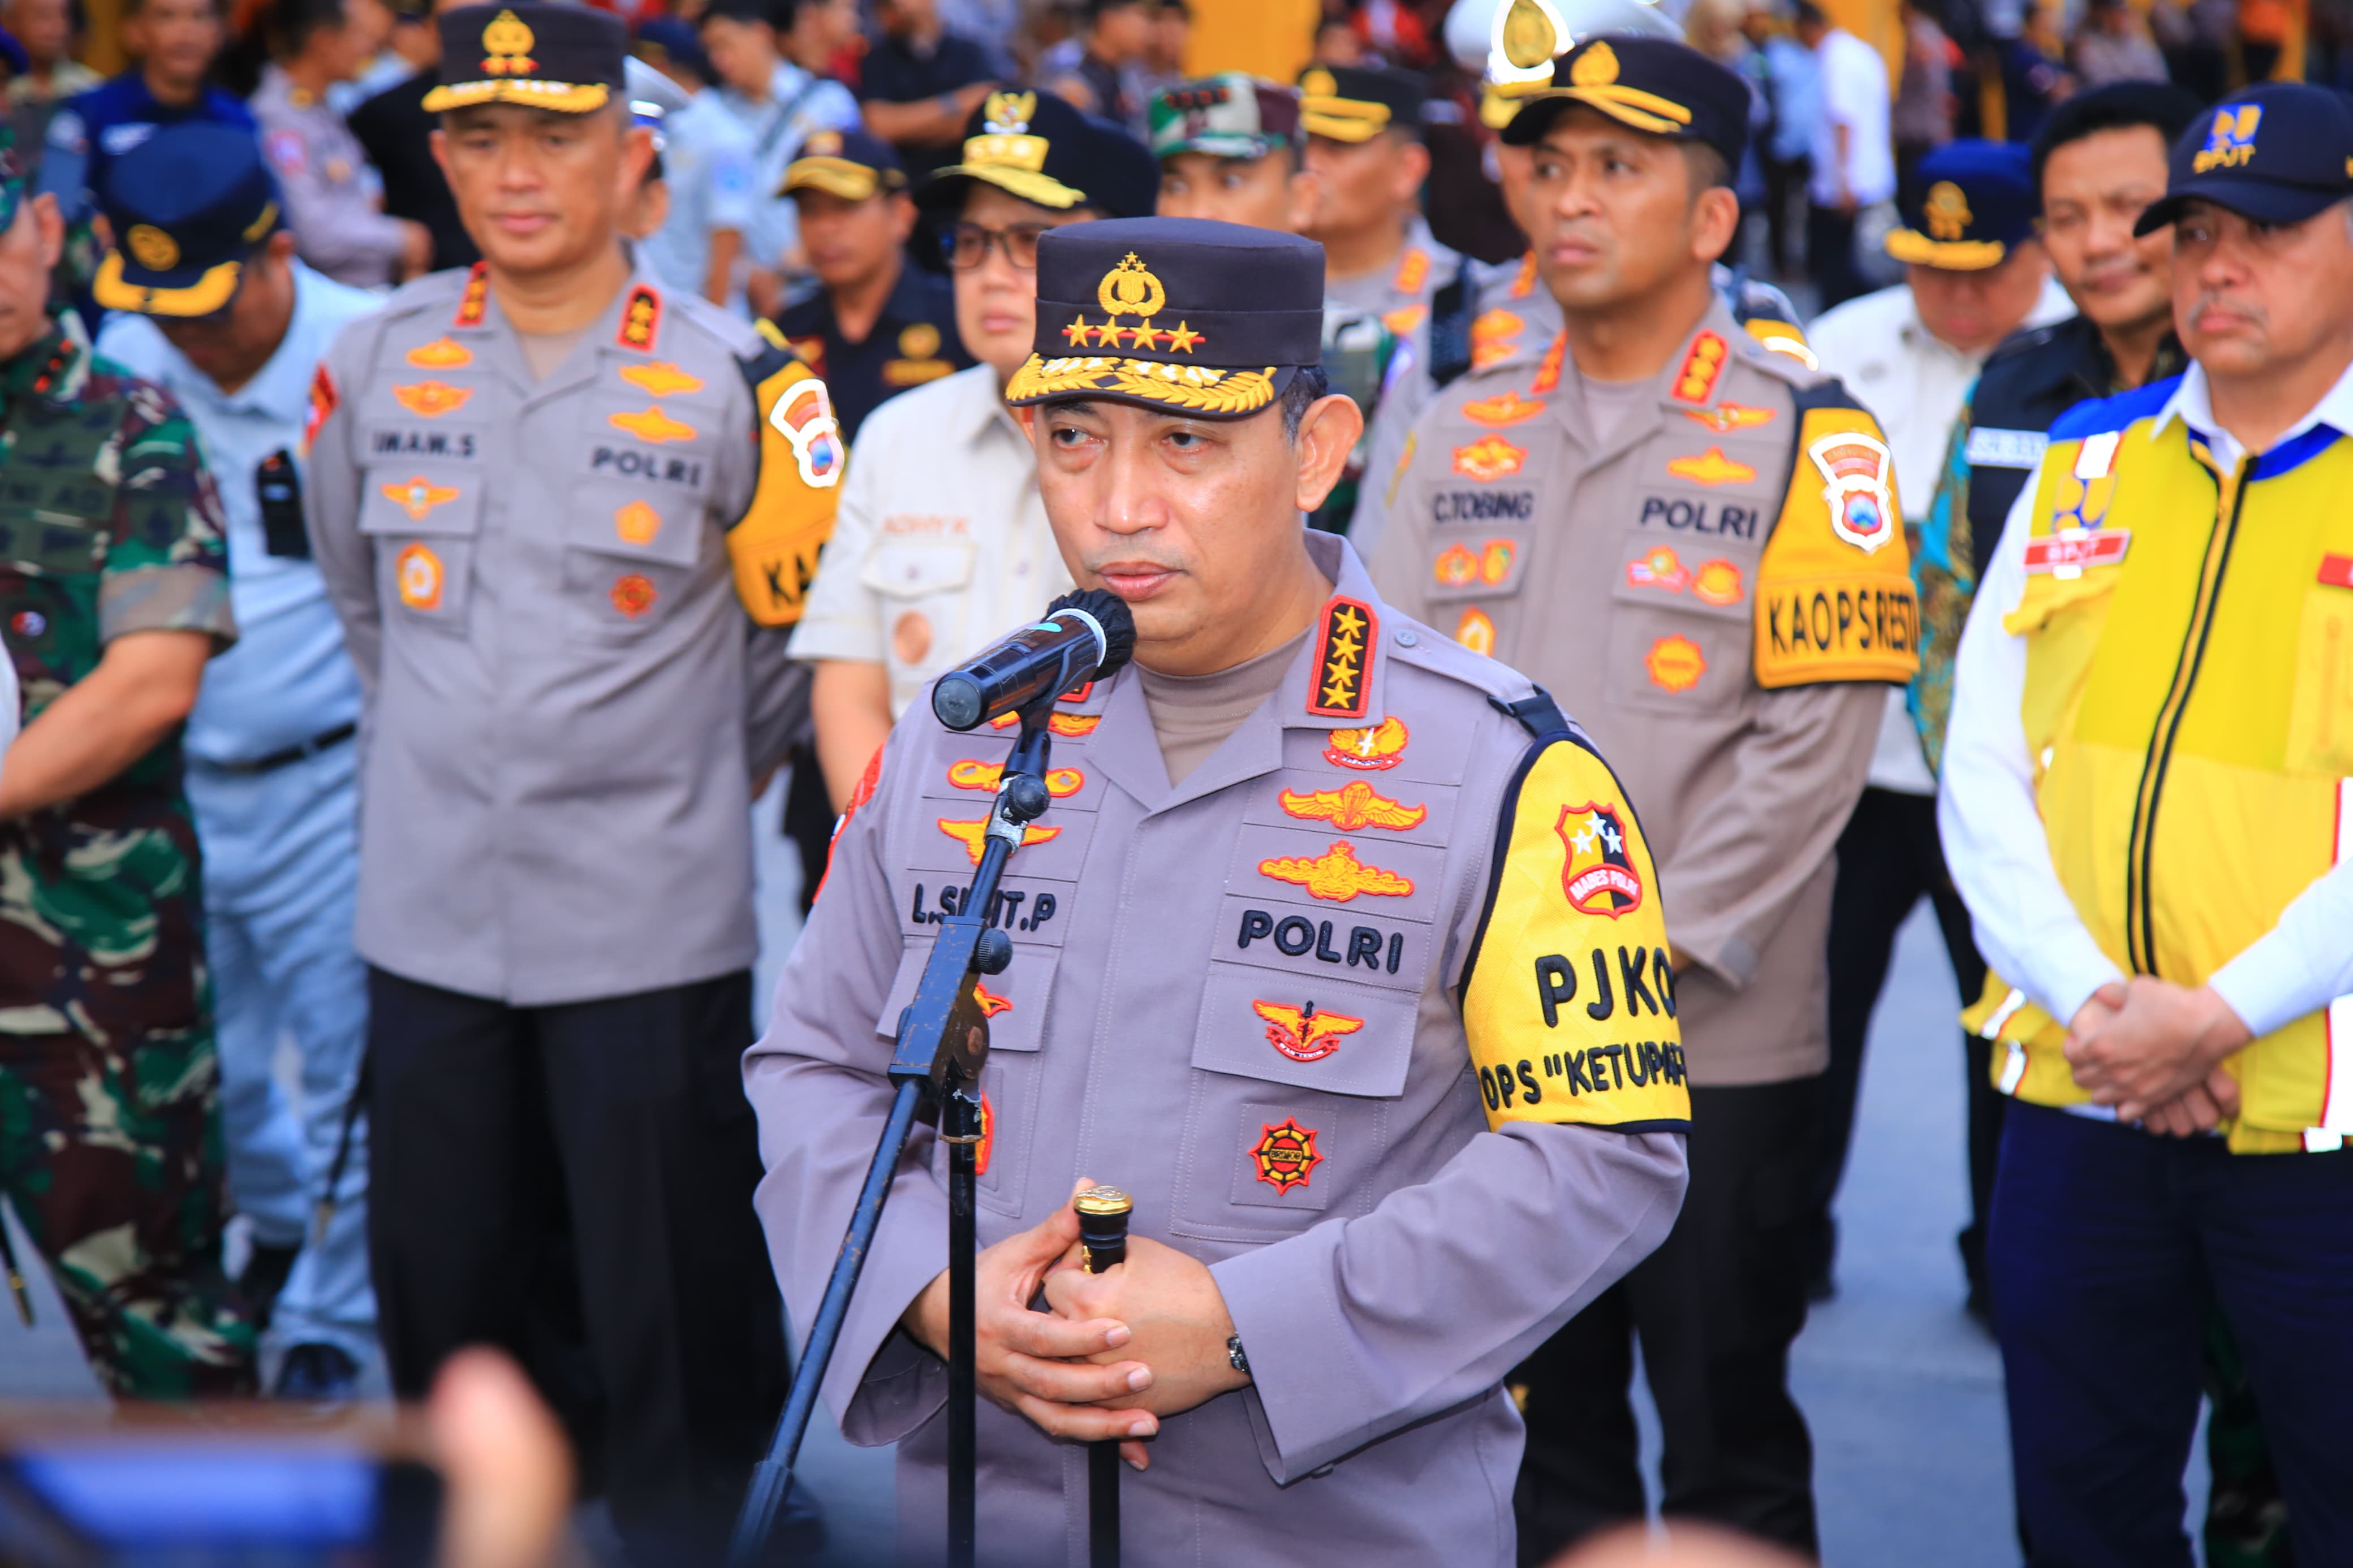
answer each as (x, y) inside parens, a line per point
(1115, 1353)
(2155, 1050)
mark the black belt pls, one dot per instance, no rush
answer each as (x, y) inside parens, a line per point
(303, 751)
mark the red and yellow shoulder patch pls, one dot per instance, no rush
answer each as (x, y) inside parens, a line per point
(641, 318)
(1548, 369)
(1696, 382)
(1344, 660)
(475, 302)
(324, 399)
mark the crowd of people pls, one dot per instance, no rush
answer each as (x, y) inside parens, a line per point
(457, 457)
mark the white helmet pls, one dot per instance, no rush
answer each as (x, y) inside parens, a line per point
(1471, 24)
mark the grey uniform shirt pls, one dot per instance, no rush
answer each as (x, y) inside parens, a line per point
(565, 701)
(1629, 575)
(1386, 1257)
(323, 173)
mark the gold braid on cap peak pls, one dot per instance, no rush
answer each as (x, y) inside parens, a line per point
(559, 97)
(1191, 386)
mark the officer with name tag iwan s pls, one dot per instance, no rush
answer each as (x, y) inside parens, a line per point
(1339, 948)
(566, 515)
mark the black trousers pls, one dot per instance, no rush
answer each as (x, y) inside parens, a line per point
(573, 1183)
(1830, 256)
(1716, 1308)
(1889, 858)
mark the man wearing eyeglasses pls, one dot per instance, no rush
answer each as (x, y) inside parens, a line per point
(232, 325)
(940, 542)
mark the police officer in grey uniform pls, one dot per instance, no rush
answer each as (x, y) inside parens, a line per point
(566, 514)
(331, 194)
(1340, 948)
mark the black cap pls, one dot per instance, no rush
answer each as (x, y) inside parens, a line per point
(1040, 148)
(851, 164)
(1173, 313)
(2277, 152)
(1356, 103)
(187, 207)
(1656, 85)
(1967, 204)
(564, 58)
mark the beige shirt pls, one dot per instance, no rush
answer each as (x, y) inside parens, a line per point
(1622, 574)
(941, 543)
(1193, 714)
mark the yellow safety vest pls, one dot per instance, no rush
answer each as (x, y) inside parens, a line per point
(2188, 706)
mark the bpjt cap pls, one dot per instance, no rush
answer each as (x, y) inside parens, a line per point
(1181, 315)
(564, 58)
(1968, 204)
(1657, 86)
(187, 207)
(1229, 115)
(2277, 152)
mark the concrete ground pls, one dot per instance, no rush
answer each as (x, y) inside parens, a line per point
(1903, 1391)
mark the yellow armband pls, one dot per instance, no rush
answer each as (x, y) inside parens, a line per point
(1570, 996)
(773, 546)
(1834, 595)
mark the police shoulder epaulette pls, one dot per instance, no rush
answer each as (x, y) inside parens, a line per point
(2118, 413)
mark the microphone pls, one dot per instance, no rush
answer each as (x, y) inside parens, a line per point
(1084, 636)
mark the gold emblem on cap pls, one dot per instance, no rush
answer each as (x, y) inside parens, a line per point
(1130, 290)
(1530, 36)
(507, 40)
(1318, 83)
(151, 248)
(1596, 66)
(824, 144)
(1947, 210)
(1008, 113)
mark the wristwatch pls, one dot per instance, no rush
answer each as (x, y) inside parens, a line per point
(1234, 1354)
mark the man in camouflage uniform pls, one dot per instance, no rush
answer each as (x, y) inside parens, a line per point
(113, 593)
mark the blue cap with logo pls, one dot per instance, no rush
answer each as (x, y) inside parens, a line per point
(2275, 152)
(1968, 203)
(187, 207)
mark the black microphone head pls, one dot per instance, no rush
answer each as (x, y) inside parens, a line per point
(958, 701)
(1112, 614)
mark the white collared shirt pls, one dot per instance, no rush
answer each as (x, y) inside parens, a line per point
(288, 680)
(2026, 924)
(1915, 383)
(940, 544)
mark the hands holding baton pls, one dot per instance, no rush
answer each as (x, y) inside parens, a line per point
(1113, 1353)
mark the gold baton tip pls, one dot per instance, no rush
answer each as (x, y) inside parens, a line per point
(1104, 1200)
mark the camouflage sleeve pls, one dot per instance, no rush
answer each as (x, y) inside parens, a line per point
(1945, 571)
(167, 555)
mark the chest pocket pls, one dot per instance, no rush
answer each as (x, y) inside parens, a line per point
(426, 521)
(54, 509)
(2320, 713)
(1016, 1002)
(922, 584)
(634, 535)
(1306, 1031)
(1683, 588)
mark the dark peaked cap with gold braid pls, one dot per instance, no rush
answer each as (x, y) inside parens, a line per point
(567, 59)
(1177, 314)
(1658, 86)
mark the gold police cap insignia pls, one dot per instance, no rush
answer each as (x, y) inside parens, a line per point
(1130, 290)
(507, 40)
(1947, 210)
(1008, 113)
(1596, 66)
(1318, 83)
(151, 248)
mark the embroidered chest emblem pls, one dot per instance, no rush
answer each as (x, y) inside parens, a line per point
(1285, 1154)
(1301, 1033)
(1335, 875)
(1352, 807)
(1372, 750)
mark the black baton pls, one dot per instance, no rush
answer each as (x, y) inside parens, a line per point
(1102, 1244)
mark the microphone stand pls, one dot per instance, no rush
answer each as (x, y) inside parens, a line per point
(1102, 1246)
(943, 1044)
